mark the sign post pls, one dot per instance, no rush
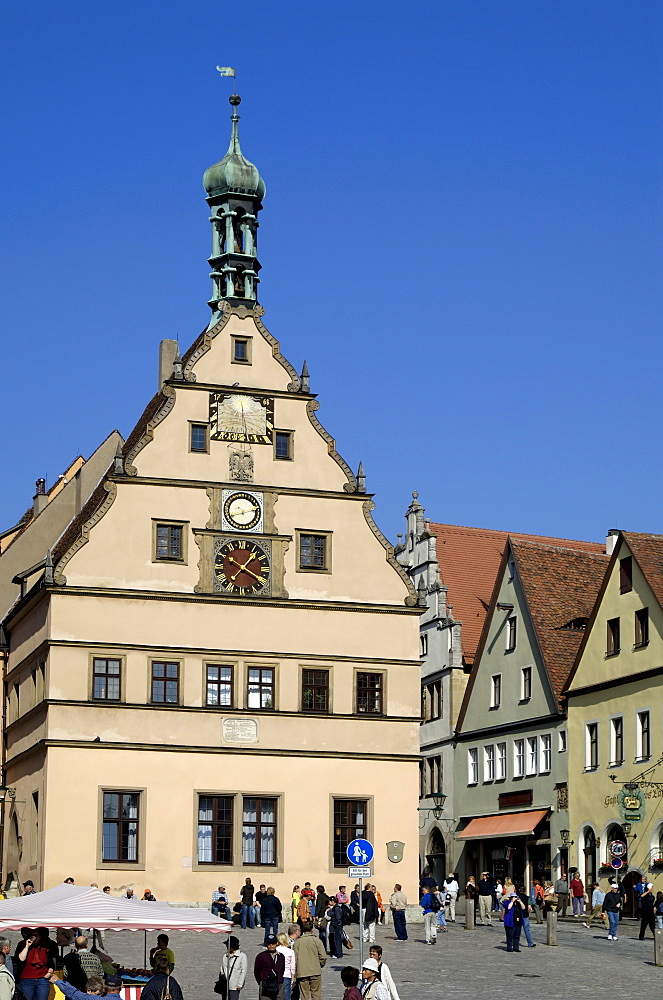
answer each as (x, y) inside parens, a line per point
(360, 854)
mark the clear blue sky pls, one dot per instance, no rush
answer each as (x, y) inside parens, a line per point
(462, 234)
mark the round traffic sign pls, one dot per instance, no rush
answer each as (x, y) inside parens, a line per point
(616, 863)
(360, 852)
(617, 848)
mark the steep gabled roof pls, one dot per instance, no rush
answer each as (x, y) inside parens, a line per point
(559, 584)
(648, 553)
(469, 559)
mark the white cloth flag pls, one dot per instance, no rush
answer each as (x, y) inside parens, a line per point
(226, 70)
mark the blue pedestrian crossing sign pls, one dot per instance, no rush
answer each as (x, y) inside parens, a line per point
(360, 852)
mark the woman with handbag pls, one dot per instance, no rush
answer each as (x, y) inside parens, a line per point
(162, 986)
(232, 976)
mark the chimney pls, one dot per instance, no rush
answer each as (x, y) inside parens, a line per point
(40, 499)
(168, 351)
(611, 540)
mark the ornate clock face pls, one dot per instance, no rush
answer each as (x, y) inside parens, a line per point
(235, 416)
(242, 566)
(242, 510)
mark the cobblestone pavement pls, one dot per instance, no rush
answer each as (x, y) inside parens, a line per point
(463, 964)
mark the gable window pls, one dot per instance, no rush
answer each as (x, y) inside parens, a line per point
(168, 541)
(119, 832)
(641, 628)
(283, 445)
(526, 684)
(625, 575)
(259, 831)
(241, 350)
(500, 773)
(260, 690)
(612, 647)
(215, 829)
(314, 552)
(473, 766)
(350, 822)
(219, 686)
(496, 691)
(199, 437)
(511, 634)
(106, 679)
(489, 763)
(591, 746)
(616, 741)
(532, 754)
(369, 693)
(165, 683)
(643, 736)
(315, 690)
(561, 746)
(518, 758)
(546, 754)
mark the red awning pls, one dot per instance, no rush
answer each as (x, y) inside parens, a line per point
(502, 825)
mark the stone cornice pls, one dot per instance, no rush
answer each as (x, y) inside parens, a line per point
(111, 490)
(206, 484)
(411, 599)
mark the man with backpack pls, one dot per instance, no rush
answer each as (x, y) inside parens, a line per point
(431, 906)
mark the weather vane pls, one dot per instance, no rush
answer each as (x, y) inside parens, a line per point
(228, 71)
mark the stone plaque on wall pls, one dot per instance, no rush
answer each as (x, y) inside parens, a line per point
(240, 730)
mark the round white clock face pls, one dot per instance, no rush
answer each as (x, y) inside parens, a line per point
(242, 510)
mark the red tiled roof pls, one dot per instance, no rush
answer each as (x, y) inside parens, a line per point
(560, 584)
(469, 559)
(648, 552)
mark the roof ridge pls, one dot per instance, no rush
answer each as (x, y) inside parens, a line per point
(561, 548)
(513, 534)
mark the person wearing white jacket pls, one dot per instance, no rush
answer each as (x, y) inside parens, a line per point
(288, 953)
(384, 974)
(7, 982)
(234, 965)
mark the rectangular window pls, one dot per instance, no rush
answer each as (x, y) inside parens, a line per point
(169, 542)
(518, 758)
(259, 832)
(165, 683)
(496, 691)
(241, 350)
(260, 693)
(501, 762)
(283, 445)
(432, 701)
(546, 754)
(643, 736)
(526, 684)
(625, 575)
(315, 690)
(532, 754)
(350, 823)
(369, 693)
(616, 741)
(313, 552)
(612, 647)
(105, 679)
(511, 634)
(641, 628)
(561, 747)
(489, 763)
(198, 437)
(219, 686)
(591, 746)
(434, 765)
(423, 643)
(119, 837)
(215, 829)
(422, 779)
(473, 766)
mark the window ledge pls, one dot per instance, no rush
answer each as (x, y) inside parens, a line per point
(640, 760)
(611, 653)
(641, 645)
(493, 708)
(525, 701)
(511, 649)
(590, 770)
(615, 763)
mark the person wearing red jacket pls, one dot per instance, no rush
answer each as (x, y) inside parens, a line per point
(577, 895)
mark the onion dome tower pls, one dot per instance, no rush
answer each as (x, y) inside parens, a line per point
(235, 191)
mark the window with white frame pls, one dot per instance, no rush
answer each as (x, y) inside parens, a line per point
(532, 754)
(643, 736)
(591, 746)
(489, 763)
(561, 745)
(518, 758)
(545, 764)
(500, 770)
(511, 626)
(496, 691)
(616, 741)
(473, 766)
(526, 684)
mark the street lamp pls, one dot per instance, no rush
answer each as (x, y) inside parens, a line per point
(439, 798)
(566, 838)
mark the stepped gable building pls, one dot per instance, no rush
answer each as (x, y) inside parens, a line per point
(453, 569)
(511, 756)
(221, 655)
(615, 710)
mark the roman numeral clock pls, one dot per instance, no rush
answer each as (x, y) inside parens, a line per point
(242, 554)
